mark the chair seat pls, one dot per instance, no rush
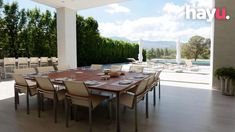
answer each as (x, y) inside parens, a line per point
(127, 99)
(97, 99)
(31, 83)
(32, 87)
(132, 90)
(84, 101)
(50, 94)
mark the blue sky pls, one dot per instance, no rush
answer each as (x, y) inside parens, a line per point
(142, 19)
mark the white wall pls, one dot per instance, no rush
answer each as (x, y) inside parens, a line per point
(224, 40)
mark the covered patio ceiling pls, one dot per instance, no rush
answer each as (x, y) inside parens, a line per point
(77, 4)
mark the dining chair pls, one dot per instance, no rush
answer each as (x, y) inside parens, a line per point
(149, 87)
(22, 62)
(54, 61)
(131, 100)
(1, 72)
(116, 67)
(96, 67)
(62, 67)
(157, 82)
(138, 69)
(46, 69)
(33, 62)
(43, 61)
(9, 66)
(47, 90)
(23, 86)
(78, 94)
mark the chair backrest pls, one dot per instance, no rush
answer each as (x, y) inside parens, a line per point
(150, 81)
(22, 60)
(141, 87)
(136, 69)
(44, 84)
(116, 68)
(25, 71)
(9, 61)
(43, 59)
(54, 59)
(46, 69)
(96, 67)
(76, 88)
(63, 67)
(157, 75)
(34, 60)
(19, 80)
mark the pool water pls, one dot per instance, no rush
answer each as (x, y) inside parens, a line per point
(204, 63)
(173, 61)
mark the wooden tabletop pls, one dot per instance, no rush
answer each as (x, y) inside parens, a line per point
(106, 85)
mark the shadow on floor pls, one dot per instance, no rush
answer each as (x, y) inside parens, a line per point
(179, 110)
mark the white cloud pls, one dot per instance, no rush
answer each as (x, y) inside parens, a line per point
(201, 3)
(169, 26)
(171, 8)
(116, 8)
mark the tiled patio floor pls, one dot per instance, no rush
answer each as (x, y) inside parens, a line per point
(179, 110)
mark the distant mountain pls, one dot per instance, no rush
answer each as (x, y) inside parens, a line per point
(152, 44)
(120, 38)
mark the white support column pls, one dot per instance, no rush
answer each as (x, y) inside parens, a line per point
(178, 51)
(66, 37)
(140, 55)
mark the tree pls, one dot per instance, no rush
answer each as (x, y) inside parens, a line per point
(29, 33)
(158, 53)
(11, 28)
(1, 3)
(195, 47)
(151, 54)
(184, 51)
(2, 38)
(144, 53)
(166, 52)
(206, 50)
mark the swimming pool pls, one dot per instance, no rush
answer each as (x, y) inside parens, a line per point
(173, 61)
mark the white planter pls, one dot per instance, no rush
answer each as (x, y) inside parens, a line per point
(227, 86)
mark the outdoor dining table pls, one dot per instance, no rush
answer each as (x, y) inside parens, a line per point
(110, 85)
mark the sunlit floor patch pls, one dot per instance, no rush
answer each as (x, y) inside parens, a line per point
(7, 89)
(186, 85)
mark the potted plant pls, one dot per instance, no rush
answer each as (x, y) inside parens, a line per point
(226, 75)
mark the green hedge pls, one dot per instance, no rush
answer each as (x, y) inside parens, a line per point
(106, 51)
(33, 33)
(92, 48)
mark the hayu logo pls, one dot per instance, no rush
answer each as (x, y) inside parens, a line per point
(206, 14)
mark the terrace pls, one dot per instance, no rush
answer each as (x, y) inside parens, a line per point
(191, 102)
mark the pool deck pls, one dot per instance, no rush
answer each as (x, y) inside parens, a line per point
(202, 76)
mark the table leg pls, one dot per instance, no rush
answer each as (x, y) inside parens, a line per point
(117, 112)
(154, 96)
(159, 85)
